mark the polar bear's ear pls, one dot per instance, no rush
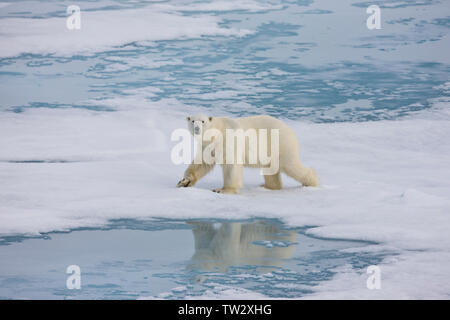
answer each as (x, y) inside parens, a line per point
(210, 118)
(188, 118)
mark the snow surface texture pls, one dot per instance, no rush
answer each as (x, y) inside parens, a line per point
(383, 181)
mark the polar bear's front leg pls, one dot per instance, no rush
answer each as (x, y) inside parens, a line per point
(194, 173)
(232, 179)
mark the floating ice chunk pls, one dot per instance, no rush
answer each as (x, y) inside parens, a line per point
(102, 30)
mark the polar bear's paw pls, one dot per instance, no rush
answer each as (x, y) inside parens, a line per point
(226, 190)
(185, 182)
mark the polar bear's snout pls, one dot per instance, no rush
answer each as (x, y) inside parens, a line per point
(197, 128)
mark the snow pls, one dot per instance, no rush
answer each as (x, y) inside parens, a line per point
(218, 291)
(411, 275)
(384, 181)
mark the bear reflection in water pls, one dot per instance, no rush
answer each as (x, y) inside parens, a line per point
(219, 246)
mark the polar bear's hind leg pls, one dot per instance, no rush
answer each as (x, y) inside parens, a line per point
(273, 182)
(306, 176)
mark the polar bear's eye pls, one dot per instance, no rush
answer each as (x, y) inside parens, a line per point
(203, 121)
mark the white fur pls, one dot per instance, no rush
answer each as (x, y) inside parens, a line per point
(289, 159)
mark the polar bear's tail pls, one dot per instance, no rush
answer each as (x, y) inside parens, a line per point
(311, 178)
(306, 176)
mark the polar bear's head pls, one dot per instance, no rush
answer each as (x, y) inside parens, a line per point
(198, 124)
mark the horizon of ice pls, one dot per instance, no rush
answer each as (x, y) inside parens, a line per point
(101, 151)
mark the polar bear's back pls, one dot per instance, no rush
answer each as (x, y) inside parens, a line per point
(288, 139)
(261, 122)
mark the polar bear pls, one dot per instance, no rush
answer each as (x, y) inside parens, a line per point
(288, 160)
(223, 245)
